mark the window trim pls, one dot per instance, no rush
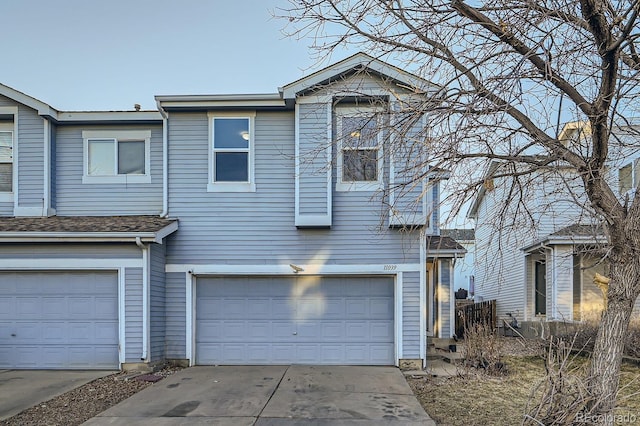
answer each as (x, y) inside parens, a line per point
(344, 186)
(212, 185)
(7, 196)
(634, 165)
(116, 136)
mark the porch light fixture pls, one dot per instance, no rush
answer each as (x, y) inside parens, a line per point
(296, 268)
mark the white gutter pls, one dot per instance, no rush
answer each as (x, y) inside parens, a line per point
(165, 161)
(145, 299)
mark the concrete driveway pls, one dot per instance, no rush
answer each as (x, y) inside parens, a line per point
(22, 389)
(273, 395)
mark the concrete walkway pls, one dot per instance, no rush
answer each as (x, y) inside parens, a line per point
(273, 395)
(22, 389)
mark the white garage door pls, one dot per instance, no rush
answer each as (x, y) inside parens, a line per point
(304, 320)
(59, 320)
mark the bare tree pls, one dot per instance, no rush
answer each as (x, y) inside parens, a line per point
(508, 72)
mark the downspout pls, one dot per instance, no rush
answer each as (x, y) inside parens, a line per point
(145, 299)
(165, 161)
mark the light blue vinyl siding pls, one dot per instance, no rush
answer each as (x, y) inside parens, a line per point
(74, 198)
(314, 164)
(157, 301)
(411, 315)
(175, 316)
(29, 141)
(259, 228)
(133, 314)
(30, 158)
(69, 251)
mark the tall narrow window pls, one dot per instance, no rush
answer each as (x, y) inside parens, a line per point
(231, 155)
(6, 157)
(231, 139)
(359, 149)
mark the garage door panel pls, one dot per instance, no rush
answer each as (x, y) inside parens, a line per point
(381, 331)
(357, 309)
(294, 320)
(60, 319)
(258, 331)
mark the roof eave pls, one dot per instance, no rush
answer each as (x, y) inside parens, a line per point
(268, 100)
(39, 236)
(290, 90)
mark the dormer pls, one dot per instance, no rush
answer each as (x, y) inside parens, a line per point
(25, 154)
(348, 118)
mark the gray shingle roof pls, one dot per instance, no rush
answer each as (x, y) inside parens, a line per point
(88, 224)
(440, 243)
(459, 234)
(579, 230)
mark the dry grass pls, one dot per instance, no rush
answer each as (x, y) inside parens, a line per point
(483, 400)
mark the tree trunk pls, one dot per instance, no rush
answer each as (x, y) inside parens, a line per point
(610, 341)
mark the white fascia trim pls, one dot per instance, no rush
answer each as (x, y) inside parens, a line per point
(398, 313)
(122, 317)
(134, 116)
(68, 264)
(359, 59)
(42, 108)
(167, 230)
(82, 236)
(308, 269)
(268, 100)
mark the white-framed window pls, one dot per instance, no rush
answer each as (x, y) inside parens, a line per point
(231, 152)
(6, 156)
(117, 156)
(629, 176)
(360, 155)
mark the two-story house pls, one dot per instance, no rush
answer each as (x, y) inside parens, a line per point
(220, 229)
(537, 246)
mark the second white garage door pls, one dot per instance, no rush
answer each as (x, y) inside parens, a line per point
(59, 320)
(304, 320)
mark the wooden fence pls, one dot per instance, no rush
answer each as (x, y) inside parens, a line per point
(475, 313)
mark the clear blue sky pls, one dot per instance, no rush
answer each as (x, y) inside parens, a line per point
(111, 54)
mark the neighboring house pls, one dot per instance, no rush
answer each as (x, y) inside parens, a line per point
(538, 258)
(220, 229)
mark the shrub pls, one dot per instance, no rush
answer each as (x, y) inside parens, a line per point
(483, 349)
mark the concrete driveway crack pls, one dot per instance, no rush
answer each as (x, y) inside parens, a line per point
(272, 393)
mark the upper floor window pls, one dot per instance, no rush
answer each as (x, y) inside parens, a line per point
(629, 176)
(360, 157)
(231, 155)
(116, 156)
(6, 156)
